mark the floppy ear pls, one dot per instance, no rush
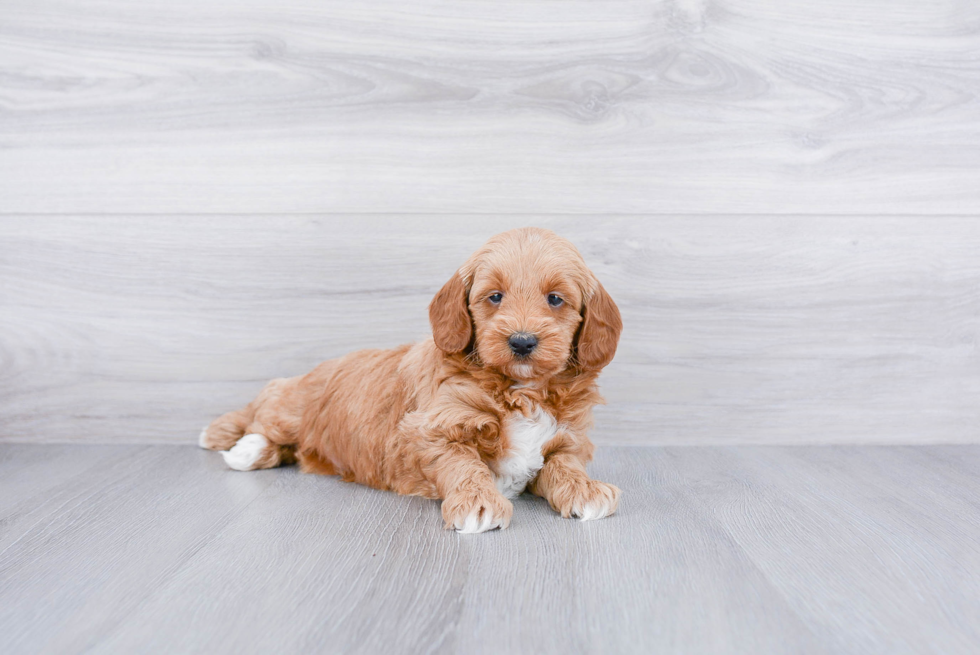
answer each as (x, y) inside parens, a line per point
(452, 327)
(599, 334)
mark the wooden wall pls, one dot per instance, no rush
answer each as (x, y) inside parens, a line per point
(738, 328)
(784, 197)
(567, 106)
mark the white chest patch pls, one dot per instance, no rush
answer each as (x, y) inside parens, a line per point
(523, 460)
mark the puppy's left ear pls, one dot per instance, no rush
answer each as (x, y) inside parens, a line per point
(452, 327)
(599, 334)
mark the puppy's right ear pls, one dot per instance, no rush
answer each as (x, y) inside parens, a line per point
(452, 327)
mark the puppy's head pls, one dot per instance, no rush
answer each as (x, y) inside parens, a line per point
(528, 306)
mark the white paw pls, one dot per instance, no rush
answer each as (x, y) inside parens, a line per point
(595, 510)
(475, 524)
(596, 501)
(201, 437)
(244, 454)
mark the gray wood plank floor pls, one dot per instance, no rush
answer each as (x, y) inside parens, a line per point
(738, 329)
(569, 106)
(747, 549)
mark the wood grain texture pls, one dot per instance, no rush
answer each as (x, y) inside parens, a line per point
(571, 106)
(715, 550)
(738, 329)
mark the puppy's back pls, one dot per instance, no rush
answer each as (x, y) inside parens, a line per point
(354, 406)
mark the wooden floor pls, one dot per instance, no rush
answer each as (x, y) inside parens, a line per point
(747, 549)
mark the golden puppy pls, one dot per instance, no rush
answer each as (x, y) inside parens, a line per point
(498, 401)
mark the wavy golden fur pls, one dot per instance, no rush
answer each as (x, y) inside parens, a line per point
(443, 418)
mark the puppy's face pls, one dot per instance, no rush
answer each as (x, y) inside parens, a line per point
(528, 306)
(525, 300)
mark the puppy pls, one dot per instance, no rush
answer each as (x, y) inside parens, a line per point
(497, 402)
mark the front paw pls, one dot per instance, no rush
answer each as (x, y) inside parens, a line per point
(586, 500)
(470, 512)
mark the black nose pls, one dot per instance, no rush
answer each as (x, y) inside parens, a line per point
(522, 344)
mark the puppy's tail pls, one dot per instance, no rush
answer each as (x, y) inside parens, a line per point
(225, 430)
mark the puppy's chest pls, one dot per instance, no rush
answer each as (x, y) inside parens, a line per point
(523, 459)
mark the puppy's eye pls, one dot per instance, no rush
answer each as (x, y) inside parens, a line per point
(555, 300)
(495, 298)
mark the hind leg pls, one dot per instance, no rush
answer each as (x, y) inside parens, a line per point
(225, 430)
(264, 434)
(266, 443)
(255, 451)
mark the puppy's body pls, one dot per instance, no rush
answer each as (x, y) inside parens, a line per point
(457, 417)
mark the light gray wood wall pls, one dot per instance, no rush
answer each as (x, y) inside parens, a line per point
(573, 106)
(738, 329)
(196, 196)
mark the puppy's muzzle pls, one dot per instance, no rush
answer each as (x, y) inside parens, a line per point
(522, 344)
